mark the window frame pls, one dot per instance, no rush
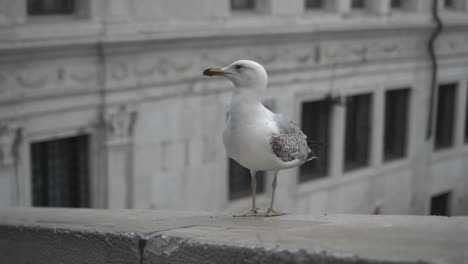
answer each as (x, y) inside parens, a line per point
(399, 7)
(251, 6)
(347, 166)
(309, 7)
(69, 10)
(88, 168)
(406, 144)
(435, 201)
(353, 7)
(304, 176)
(440, 146)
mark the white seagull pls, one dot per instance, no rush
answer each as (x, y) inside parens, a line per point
(255, 137)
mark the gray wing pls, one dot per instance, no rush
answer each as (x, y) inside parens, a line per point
(290, 144)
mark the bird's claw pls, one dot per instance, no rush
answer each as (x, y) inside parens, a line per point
(272, 212)
(253, 212)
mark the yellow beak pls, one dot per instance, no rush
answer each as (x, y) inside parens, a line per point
(214, 72)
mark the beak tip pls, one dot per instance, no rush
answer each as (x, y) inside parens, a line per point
(207, 72)
(214, 72)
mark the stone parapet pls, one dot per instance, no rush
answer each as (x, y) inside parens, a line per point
(37, 235)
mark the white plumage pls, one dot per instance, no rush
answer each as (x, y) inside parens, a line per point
(255, 137)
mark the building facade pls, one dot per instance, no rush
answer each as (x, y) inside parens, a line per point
(102, 103)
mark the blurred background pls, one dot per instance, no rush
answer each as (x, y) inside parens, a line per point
(103, 105)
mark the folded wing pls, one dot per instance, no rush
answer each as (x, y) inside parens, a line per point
(291, 143)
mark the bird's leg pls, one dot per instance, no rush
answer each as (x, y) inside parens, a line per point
(253, 187)
(270, 211)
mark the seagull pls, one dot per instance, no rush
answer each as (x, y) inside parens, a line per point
(255, 137)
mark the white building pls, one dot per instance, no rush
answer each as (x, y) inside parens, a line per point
(102, 102)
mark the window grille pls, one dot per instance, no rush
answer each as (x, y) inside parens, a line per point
(396, 123)
(59, 170)
(50, 7)
(242, 4)
(397, 4)
(358, 131)
(445, 119)
(314, 4)
(357, 4)
(440, 204)
(315, 121)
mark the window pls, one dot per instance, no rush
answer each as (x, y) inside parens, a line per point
(59, 172)
(357, 131)
(396, 4)
(440, 204)
(314, 4)
(50, 7)
(396, 122)
(239, 181)
(449, 4)
(357, 4)
(445, 121)
(242, 4)
(315, 122)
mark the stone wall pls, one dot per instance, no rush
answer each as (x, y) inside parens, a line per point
(134, 85)
(138, 236)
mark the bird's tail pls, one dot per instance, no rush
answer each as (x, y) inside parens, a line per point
(314, 147)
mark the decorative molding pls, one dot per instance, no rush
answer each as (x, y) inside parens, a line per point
(85, 74)
(32, 79)
(150, 67)
(120, 123)
(119, 70)
(9, 134)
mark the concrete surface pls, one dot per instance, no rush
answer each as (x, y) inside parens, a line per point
(127, 73)
(36, 235)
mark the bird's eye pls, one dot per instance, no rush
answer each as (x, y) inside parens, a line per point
(239, 66)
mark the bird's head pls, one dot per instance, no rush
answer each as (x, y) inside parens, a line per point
(243, 73)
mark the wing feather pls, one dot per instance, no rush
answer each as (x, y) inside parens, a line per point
(291, 143)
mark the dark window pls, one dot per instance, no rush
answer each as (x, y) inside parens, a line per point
(396, 123)
(59, 170)
(440, 204)
(315, 122)
(313, 4)
(396, 4)
(242, 4)
(357, 4)
(239, 181)
(357, 135)
(50, 7)
(449, 4)
(445, 116)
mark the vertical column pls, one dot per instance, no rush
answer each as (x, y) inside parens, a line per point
(9, 140)
(337, 136)
(377, 128)
(379, 7)
(115, 11)
(12, 12)
(420, 148)
(119, 133)
(336, 153)
(341, 7)
(461, 188)
(281, 7)
(460, 114)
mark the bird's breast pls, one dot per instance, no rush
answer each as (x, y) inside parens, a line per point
(247, 139)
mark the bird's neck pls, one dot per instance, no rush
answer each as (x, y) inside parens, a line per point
(246, 96)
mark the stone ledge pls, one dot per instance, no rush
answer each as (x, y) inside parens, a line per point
(39, 235)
